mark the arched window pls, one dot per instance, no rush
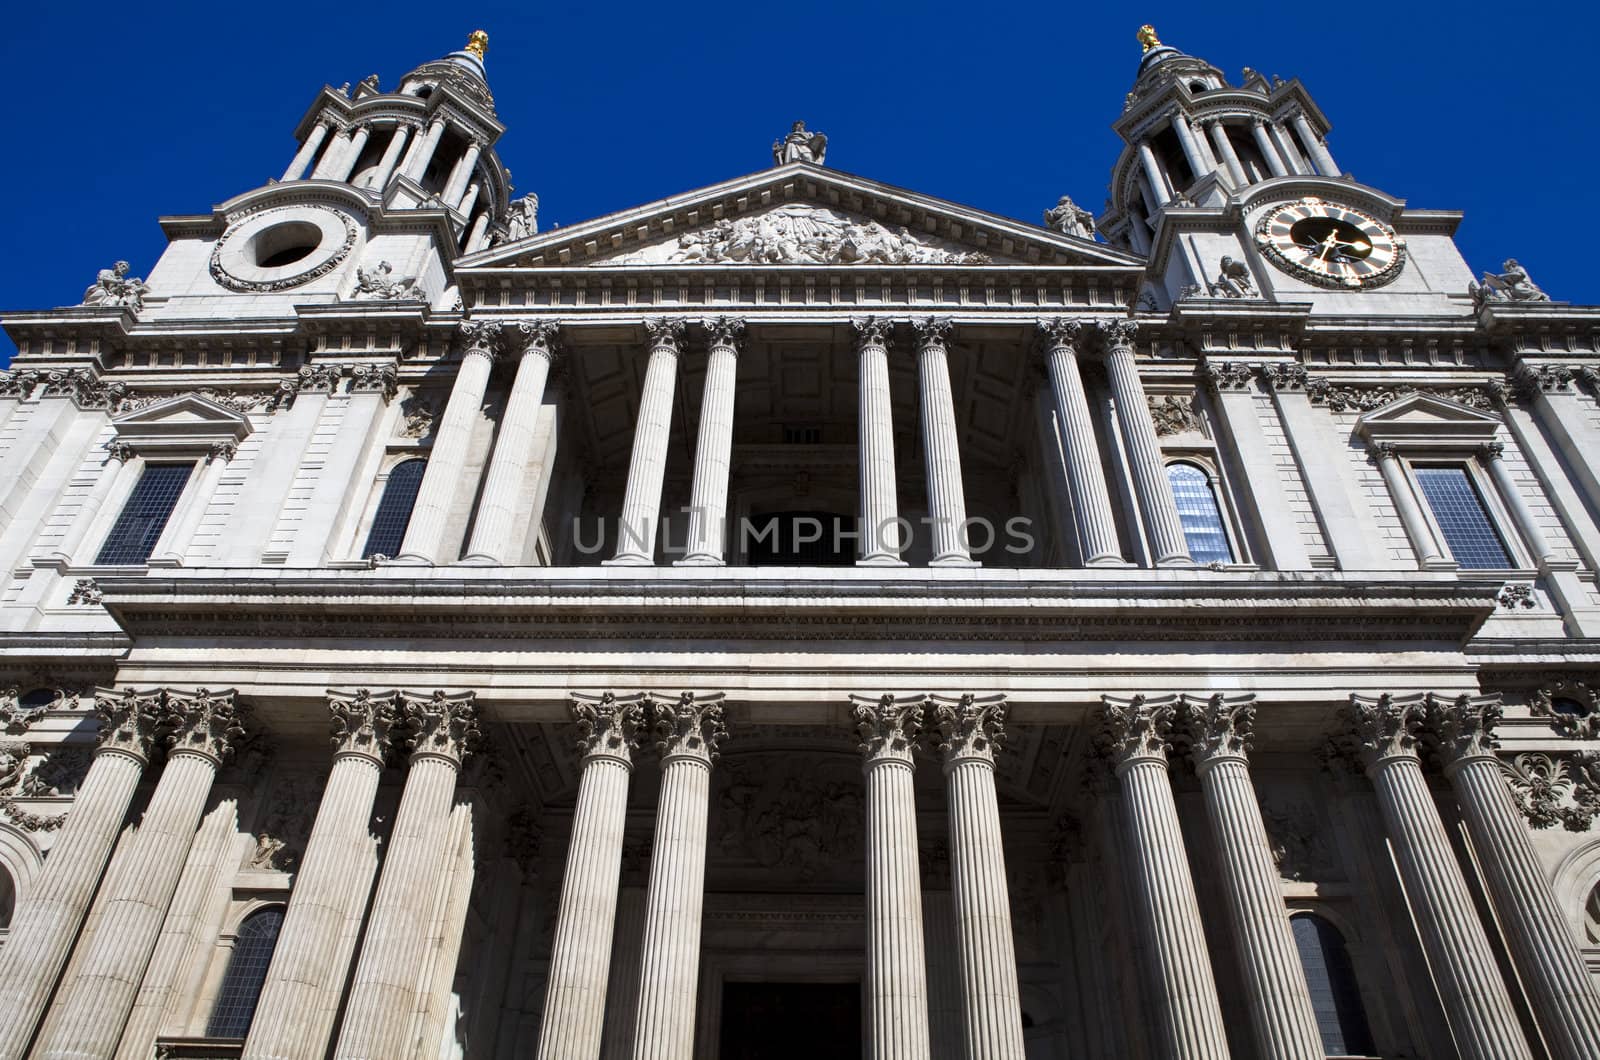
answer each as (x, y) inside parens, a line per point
(1335, 997)
(8, 899)
(1591, 917)
(394, 511)
(1202, 522)
(247, 971)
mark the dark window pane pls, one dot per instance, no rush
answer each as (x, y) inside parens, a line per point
(1462, 518)
(1197, 510)
(1335, 997)
(247, 971)
(394, 511)
(8, 899)
(135, 533)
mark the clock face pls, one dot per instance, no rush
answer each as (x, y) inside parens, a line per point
(1330, 245)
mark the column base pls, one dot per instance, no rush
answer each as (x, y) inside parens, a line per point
(478, 560)
(164, 561)
(1176, 561)
(700, 559)
(1108, 561)
(628, 561)
(954, 561)
(408, 560)
(881, 561)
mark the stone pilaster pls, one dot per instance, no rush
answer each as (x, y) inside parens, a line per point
(46, 924)
(575, 991)
(713, 449)
(880, 505)
(1281, 1016)
(1547, 957)
(499, 507)
(897, 981)
(1180, 991)
(941, 444)
(1165, 529)
(647, 467)
(306, 978)
(441, 730)
(968, 729)
(1086, 479)
(1383, 733)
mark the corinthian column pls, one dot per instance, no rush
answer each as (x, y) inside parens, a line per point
(306, 978)
(440, 731)
(713, 449)
(880, 508)
(1086, 477)
(575, 991)
(47, 921)
(447, 460)
(1161, 520)
(647, 467)
(93, 1005)
(968, 730)
(1281, 1016)
(897, 981)
(1547, 957)
(1176, 967)
(687, 733)
(1483, 1022)
(947, 503)
(500, 504)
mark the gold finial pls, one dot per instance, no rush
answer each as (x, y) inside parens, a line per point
(1147, 37)
(478, 43)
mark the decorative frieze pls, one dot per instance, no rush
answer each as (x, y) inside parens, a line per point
(1173, 414)
(1365, 399)
(1552, 789)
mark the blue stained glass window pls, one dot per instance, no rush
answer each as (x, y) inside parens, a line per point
(1462, 518)
(135, 533)
(1197, 510)
(247, 971)
(394, 510)
(1335, 997)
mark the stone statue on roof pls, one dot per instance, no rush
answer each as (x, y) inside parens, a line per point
(800, 146)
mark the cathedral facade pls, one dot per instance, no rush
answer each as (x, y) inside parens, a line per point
(802, 617)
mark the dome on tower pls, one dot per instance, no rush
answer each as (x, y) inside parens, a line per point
(1163, 64)
(462, 70)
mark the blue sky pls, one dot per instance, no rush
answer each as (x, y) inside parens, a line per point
(122, 113)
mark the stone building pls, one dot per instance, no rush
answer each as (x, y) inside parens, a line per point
(802, 617)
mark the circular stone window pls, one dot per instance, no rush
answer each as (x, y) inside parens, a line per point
(281, 247)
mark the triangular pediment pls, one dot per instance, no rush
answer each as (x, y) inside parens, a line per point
(800, 214)
(1423, 418)
(185, 421)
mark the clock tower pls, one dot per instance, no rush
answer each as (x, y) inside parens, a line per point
(1231, 191)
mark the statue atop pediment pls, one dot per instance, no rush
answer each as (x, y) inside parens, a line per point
(800, 146)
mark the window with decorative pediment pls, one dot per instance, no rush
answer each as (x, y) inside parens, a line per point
(144, 516)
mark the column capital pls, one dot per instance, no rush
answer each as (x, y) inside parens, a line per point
(223, 451)
(1136, 729)
(968, 728)
(1118, 334)
(203, 723)
(363, 722)
(1462, 727)
(1280, 376)
(666, 333)
(129, 721)
(1059, 333)
(481, 338)
(1385, 451)
(441, 725)
(608, 727)
(121, 452)
(1381, 728)
(1489, 452)
(932, 332)
(1542, 378)
(688, 725)
(375, 378)
(872, 331)
(724, 332)
(1219, 726)
(1222, 376)
(888, 726)
(538, 337)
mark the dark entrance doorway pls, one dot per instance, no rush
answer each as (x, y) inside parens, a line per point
(799, 539)
(790, 1021)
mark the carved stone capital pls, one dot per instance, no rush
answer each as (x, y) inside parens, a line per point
(480, 338)
(1385, 451)
(204, 723)
(121, 452)
(375, 379)
(1280, 376)
(1532, 379)
(1376, 730)
(724, 332)
(363, 722)
(1489, 452)
(129, 719)
(1220, 376)
(539, 338)
(872, 331)
(888, 726)
(932, 332)
(968, 728)
(1137, 729)
(224, 451)
(666, 333)
(688, 726)
(1219, 726)
(86, 592)
(1463, 727)
(19, 384)
(1118, 334)
(1572, 706)
(1059, 333)
(608, 727)
(441, 725)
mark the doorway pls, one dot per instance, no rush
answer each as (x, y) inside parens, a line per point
(790, 1021)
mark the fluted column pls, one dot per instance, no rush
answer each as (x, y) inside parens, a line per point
(575, 988)
(1423, 541)
(880, 506)
(447, 460)
(1165, 529)
(456, 186)
(1548, 960)
(308, 150)
(113, 474)
(306, 978)
(440, 731)
(687, 732)
(968, 731)
(1086, 478)
(93, 1005)
(1269, 150)
(622, 992)
(1493, 454)
(1383, 732)
(1319, 150)
(1225, 151)
(941, 445)
(1153, 173)
(47, 921)
(1198, 163)
(179, 534)
(1179, 986)
(1281, 1016)
(647, 467)
(897, 980)
(470, 199)
(499, 506)
(335, 153)
(352, 154)
(391, 157)
(422, 149)
(713, 449)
